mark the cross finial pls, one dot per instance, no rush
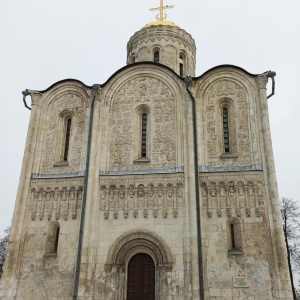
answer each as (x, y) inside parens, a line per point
(161, 16)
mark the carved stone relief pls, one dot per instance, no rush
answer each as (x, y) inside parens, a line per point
(133, 199)
(170, 55)
(76, 105)
(158, 96)
(54, 203)
(143, 54)
(232, 196)
(239, 133)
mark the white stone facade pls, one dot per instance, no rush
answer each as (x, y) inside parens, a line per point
(137, 204)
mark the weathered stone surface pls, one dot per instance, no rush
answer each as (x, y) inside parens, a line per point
(137, 204)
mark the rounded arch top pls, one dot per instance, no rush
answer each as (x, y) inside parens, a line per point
(66, 88)
(233, 74)
(141, 71)
(139, 241)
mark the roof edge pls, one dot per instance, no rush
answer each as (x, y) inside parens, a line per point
(62, 81)
(226, 66)
(153, 64)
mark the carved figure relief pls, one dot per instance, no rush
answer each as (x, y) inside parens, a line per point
(76, 105)
(232, 197)
(163, 200)
(158, 96)
(55, 203)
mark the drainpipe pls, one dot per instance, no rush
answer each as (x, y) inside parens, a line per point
(188, 82)
(95, 88)
(25, 93)
(272, 75)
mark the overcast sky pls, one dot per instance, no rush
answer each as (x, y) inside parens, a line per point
(44, 41)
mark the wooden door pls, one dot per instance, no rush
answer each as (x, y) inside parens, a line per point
(141, 278)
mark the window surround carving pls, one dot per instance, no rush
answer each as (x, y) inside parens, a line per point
(234, 236)
(52, 238)
(229, 105)
(129, 244)
(139, 112)
(61, 139)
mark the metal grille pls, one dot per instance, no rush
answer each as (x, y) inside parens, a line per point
(141, 278)
(144, 135)
(225, 130)
(67, 140)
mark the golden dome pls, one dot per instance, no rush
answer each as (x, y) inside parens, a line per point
(164, 23)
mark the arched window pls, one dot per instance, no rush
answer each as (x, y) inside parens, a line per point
(141, 277)
(156, 56)
(132, 59)
(144, 136)
(225, 130)
(52, 238)
(67, 138)
(181, 65)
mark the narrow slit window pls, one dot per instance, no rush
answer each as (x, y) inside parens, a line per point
(156, 56)
(225, 129)
(67, 139)
(56, 239)
(144, 135)
(181, 62)
(52, 238)
(232, 236)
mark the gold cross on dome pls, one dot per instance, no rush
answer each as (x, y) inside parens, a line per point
(161, 16)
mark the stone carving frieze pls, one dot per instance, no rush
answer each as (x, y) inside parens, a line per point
(159, 98)
(232, 196)
(50, 202)
(137, 198)
(75, 104)
(136, 41)
(239, 130)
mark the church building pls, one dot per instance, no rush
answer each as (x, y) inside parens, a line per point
(155, 185)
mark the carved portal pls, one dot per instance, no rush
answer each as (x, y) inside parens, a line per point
(124, 248)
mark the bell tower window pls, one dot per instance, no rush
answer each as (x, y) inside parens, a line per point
(181, 65)
(156, 56)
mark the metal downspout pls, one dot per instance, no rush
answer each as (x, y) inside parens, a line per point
(25, 93)
(272, 75)
(188, 82)
(95, 88)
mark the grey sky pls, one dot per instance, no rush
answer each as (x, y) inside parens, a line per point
(45, 41)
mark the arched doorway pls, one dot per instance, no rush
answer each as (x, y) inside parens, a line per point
(141, 278)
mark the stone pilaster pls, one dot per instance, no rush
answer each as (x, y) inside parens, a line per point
(282, 283)
(17, 235)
